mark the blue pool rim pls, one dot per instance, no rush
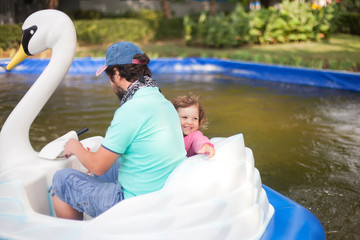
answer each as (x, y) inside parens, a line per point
(342, 80)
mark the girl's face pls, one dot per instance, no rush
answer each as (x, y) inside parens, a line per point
(189, 119)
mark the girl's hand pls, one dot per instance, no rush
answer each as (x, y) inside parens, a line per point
(208, 148)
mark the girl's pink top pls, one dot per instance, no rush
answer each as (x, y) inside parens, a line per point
(194, 141)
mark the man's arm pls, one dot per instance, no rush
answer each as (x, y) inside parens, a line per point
(97, 162)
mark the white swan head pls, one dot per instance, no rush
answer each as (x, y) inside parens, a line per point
(41, 31)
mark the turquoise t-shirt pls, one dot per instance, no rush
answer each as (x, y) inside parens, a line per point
(146, 132)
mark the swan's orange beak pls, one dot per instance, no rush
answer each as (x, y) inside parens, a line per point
(18, 58)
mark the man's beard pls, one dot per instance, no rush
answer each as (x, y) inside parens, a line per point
(120, 92)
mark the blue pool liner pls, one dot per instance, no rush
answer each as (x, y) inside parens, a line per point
(276, 73)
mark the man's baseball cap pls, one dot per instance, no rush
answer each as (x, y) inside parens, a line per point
(119, 54)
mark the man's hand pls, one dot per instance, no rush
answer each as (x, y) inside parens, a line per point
(98, 162)
(72, 147)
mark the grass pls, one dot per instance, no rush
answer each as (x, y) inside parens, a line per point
(340, 52)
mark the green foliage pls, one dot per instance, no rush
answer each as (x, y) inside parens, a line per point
(92, 28)
(142, 26)
(146, 25)
(84, 14)
(347, 17)
(189, 26)
(169, 29)
(222, 30)
(164, 28)
(113, 30)
(349, 6)
(258, 22)
(293, 21)
(240, 25)
(325, 18)
(349, 23)
(10, 36)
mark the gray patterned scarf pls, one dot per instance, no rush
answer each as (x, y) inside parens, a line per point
(143, 81)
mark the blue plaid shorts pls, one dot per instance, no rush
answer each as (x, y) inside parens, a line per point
(90, 194)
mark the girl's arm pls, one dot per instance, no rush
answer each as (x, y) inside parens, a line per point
(202, 144)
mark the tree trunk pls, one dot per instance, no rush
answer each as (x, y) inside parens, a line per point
(212, 7)
(7, 14)
(166, 8)
(52, 4)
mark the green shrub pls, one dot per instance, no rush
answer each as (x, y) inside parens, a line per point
(348, 22)
(84, 14)
(10, 36)
(219, 32)
(113, 30)
(240, 25)
(293, 21)
(169, 29)
(189, 29)
(144, 25)
(324, 21)
(163, 28)
(148, 25)
(257, 23)
(349, 6)
(222, 30)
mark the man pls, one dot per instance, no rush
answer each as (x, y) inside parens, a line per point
(142, 146)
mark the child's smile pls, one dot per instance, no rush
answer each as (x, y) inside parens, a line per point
(189, 119)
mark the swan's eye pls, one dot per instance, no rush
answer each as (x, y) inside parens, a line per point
(27, 35)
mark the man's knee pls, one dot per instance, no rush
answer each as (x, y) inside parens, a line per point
(59, 182)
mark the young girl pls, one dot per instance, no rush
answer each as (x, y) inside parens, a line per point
(192, 116)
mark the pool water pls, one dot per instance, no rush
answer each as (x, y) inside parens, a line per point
(305, 140)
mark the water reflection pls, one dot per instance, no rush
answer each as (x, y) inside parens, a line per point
(306, 141)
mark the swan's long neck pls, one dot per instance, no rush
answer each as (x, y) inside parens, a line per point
(15, 146)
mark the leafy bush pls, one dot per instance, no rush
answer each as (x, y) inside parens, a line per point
(347, 22)
(258, 22)
(147, 26)
(349, 6)
(10, 36)
(169, 29)
(189, 30)
(350, 23)
(84, 14)
(325, 18)
(291, 22)
(240, 25)
(113, 30)
(222, 30)
(164, 28)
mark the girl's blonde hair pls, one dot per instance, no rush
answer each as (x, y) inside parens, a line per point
(190, 100)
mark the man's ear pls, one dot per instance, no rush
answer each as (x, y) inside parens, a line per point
(116, 71)
(116, 75)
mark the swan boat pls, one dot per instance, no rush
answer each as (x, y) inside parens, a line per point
(217, 198)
